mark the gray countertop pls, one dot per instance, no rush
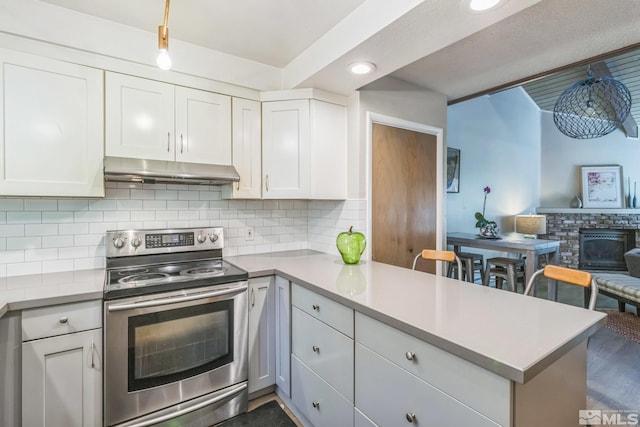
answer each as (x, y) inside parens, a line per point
(507, 333)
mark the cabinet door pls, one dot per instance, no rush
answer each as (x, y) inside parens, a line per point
(262, 341)
(139, 118)
(285, 149)
(247, 148)
(203, 127)
(51, 125)
(283, 335)
(328, 151)
(62, 380)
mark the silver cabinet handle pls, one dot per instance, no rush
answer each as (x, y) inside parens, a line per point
(315, 405)
(253, 298)
(266, 182)
(63, 319)
(411, 418)
(316, 348)
(238, 185)
(181, 144)
(92, 350)
(316, 307)
(410, 355)
(168, 141)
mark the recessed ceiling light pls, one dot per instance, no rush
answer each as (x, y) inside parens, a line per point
(483, 5)
(362, 67)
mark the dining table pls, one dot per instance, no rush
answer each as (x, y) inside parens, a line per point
(531, 249)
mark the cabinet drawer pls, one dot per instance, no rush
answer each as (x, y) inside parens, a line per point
(449, 373)
(316, 399)
(330, 312)
(324, 350)
(61, 319)
(361, 420)
(407, 396)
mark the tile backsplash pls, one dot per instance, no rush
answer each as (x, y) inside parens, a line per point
(44, 235)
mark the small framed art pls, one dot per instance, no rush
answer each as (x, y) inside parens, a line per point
(453, 170)
(602, 187)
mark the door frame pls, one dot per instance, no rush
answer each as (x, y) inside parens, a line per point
(376, 118)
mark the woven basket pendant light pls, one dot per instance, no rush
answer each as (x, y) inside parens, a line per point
(592, 108)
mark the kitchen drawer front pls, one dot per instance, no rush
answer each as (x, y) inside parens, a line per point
(317, 400)
(406, 396)
(361, 420)
(330, 312)
(324, 350)
(61, 319)
(449, 373)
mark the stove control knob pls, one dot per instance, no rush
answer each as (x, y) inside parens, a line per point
(213, 237)
(202, 238)
(136, 241)
(118, 243)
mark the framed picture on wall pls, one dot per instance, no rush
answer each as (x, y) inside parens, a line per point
(602, 187)
(453, 170)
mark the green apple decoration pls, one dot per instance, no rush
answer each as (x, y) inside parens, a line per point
(351, 244)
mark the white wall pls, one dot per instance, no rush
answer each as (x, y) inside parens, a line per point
(499, 139)
(562, 157)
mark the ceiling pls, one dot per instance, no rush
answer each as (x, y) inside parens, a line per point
(435, 44)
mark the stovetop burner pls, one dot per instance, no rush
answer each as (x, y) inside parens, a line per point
(143, 279)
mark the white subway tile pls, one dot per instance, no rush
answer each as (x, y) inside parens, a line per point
(117, 216)
(73, 205)
(209, 195)
(102, 205)
(167, 215)
(188, 195)
(237, 204)
(41, 229)
(88, 263)
(130, 225)
(188, 215)
(24, 268)
(75, 228)
(117, 193)
(71, 253)
(3, 243)
(154, 205)
(220, 204)
(21, 243)
(209, 215)
(130, 205)
(24, 217)
(143, 215)
(198, 205)
(88, 216)
(40, 205)
(11, 205)
(177, 224)
(198, 223)
(57, 266)
(57, 217)
(57, 241)
(270, 204)
(7, 257)
(89, 240)
(155, 224)
(14, 230)
(143, 194)
(31, 255)
(166, 195)
(177, 205)
(228, 214)
(102, 227)
(158, 187)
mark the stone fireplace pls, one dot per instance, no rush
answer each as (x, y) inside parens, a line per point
(566, 225)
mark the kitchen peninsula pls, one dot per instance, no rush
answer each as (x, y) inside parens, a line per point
(479, 354)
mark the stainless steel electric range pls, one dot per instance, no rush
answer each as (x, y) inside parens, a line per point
(175, 334)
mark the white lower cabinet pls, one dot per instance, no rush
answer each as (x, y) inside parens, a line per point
(62, 373)
(262, 342)
(283, 335)
(320, 403)
(361, 420)
(391, 396)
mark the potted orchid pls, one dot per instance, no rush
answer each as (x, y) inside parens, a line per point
(487, 228)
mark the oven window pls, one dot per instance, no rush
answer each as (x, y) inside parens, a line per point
(172, 345)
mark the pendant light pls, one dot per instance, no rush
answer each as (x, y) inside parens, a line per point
(164, 60)
(592, 108)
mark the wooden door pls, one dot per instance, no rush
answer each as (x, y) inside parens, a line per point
(404, 195)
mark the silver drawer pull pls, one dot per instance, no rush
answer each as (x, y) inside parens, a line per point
(316, 348)
(411, 418)
(316, 405)
(63, 319)
(316, 307)
(410, 355)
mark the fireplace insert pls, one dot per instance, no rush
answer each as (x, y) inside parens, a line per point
(603, 249)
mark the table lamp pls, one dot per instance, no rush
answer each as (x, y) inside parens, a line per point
(531, 225)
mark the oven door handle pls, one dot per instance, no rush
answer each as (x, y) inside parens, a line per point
(234, 390)
(178, 299)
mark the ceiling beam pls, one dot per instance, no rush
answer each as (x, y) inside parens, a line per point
(629, 126)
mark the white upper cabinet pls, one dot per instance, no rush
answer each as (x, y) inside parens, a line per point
(51, 126)
(285, 149)
(304, 150)
(146, 119)
(203, 127)
(247, 148)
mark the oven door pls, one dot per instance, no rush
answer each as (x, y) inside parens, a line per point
(164, 349)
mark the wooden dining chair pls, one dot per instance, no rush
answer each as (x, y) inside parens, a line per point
(567, 275)
(434, 255)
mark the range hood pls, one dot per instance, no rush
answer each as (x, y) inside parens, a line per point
(123, 169)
